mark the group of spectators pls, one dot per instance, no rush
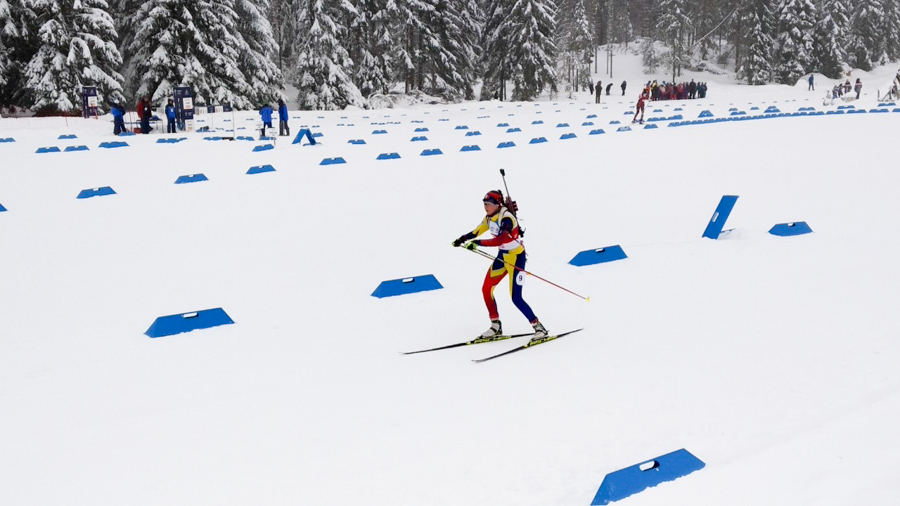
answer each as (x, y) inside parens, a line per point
(839, 90)
(680, 91)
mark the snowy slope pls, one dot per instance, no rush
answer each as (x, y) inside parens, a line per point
(771, 359)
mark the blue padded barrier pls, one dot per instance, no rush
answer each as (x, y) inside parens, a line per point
(263, 147)
(332, 161)
(588, 123)
(76, 148)
(96, 192)
(562, 125)
(789, 229)
(513, 130)
(113, 144)
(388, 156)
(379, 132)
(473, 147)
(623, 129)
(6, 139)
(432, 152)
(717, 222)
(2, 209)
(419, 139)
(422, 129)
(615, 122)
(509, 144)
(631, 480)
(597, 131)
(405, 286)
(69, 136)
(356, 141)
(187, 322)
(591, 116)
(461, 127)
(598, 256)
(537, 122)
(648, 127)
(567, 136)
(259, 169)
(537, 140)
(191, 178)
(473, 133)
(50, 149)
(502, 125)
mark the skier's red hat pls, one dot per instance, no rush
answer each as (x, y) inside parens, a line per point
(494, 197)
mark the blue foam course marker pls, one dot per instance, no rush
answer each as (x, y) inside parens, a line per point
(332, 161)
(567, 136)
(789, 229)
(388, 156)
(597, 131)
(76, 148)
(259, 169)
(114, 144)
(264, 147)
(473, 147)
(96, 192)
(187, 322)
(191, 178)
(629, 481)
(508, 144)
(2, 209)
(432, 152)
(7, 139)
(598, 256)
(356, 141)
(537, 140)
(405, 286)
(418, 139)
(69, 136)
(50, 149)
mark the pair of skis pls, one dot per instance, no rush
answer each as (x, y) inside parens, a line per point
(480, 340)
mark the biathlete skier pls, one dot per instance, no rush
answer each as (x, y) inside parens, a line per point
(504, 228)
(639, 109)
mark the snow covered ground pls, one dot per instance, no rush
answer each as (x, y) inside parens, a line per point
(772, 359)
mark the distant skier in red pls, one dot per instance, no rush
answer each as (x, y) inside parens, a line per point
(639, 109)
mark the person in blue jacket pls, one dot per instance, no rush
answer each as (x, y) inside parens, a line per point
(283, 128)
(170, 117)
(265, 112)
(118, 114)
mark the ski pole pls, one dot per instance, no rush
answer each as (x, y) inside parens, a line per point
(491, 257)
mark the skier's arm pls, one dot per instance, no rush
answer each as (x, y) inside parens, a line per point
(505, 235)
(480, 229)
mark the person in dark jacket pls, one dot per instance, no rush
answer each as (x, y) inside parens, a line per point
(145, 111)
(608, 87)
(118, 113)
(265, 112)
(857, 87)
(599, 91)
(591, 87)
(624, 84)
(283, 128)
(170, 117)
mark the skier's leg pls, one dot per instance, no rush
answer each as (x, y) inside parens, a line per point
(516, 280)
(493, 277)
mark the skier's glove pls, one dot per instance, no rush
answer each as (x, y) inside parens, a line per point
(459, 241)
(472, 244)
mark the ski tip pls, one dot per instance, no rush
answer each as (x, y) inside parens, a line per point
(588, 299)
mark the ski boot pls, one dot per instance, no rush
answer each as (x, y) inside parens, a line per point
(539, 331)
(495, 330)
